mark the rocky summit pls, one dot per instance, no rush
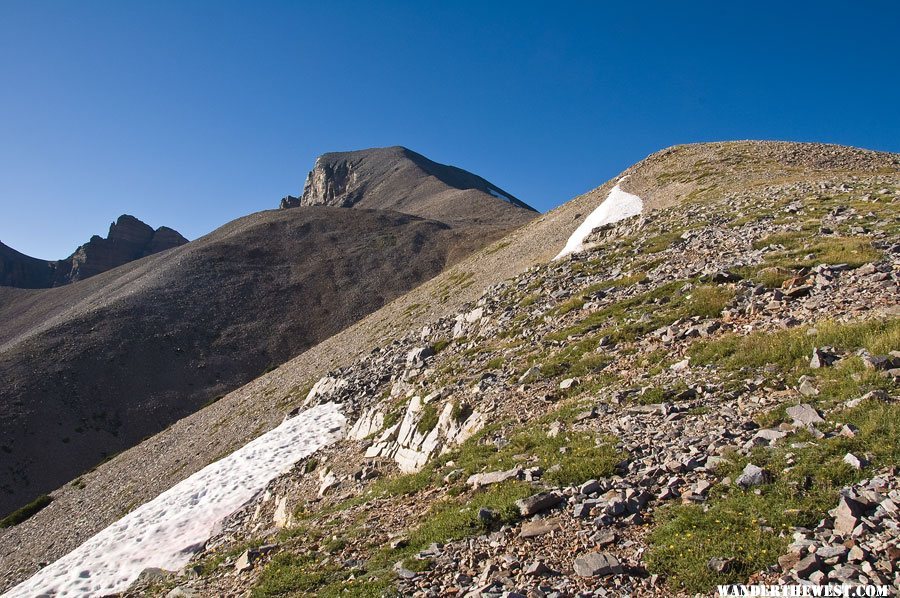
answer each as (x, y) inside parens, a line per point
(704, 393)
(128, 239)
(396, 178)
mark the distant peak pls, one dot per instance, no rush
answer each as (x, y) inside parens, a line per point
(128, 239)
(343, 179)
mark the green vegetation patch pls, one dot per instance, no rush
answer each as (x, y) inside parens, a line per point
(429, 419)
(708, 301)
(567, 458)
(802, 249)
(440, 345)
(628, 319)
(575, 359)
(661, 242)
(771, 277)
(578, 300)
(792, 348)
(26, 512)
(744, 526)
(497, 247)
(658, 394)
(456, 518)
(454, 282)
(309, 575)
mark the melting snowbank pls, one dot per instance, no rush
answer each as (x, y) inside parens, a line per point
(618, 205)
(167, 530)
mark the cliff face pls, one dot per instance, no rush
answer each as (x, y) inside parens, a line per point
(128, 239)
(332, 182)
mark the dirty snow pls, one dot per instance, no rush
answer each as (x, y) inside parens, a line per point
(500, 195)
(618, 205)
(166, 531)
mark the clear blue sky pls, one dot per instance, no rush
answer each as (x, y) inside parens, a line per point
(190, 114)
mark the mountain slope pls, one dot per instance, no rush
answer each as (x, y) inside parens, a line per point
(659, 413)
(88, 369)
(708, 176)
(128, 239)
(20, 270)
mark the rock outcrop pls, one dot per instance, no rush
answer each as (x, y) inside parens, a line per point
(128, 239)
(289, 201)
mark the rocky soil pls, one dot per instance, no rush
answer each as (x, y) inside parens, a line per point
(605, 385)
(581, 427)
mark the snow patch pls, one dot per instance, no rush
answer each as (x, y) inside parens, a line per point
(496, 193)
(618, 205)
(166, 531)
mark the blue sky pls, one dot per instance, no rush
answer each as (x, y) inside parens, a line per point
(189, 114)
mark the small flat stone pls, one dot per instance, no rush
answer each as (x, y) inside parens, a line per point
(245, 561)
(720, 565)
(804, 415)
(589, 487)
(828, 552)
(597, 564)
(493, 477)
(538, 502)
(846, 515)
(807, 389)
(568, 383)
(807, 565)
(537, 568)
(604, 537)
(533, 529)
(822, 358)
(787, 561)
(768, 436)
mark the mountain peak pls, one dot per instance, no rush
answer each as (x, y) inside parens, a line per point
(128, 239)
(394, 178)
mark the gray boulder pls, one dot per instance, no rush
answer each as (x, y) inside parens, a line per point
(753, 476)
(804, 415)
(538, 503)
(597, 563)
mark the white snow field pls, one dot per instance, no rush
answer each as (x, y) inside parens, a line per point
(618, 205)
(166, 531)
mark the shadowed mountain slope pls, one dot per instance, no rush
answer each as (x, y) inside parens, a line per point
(88, 369)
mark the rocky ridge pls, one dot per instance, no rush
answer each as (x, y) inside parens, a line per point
(571, 430)
(128, 239)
